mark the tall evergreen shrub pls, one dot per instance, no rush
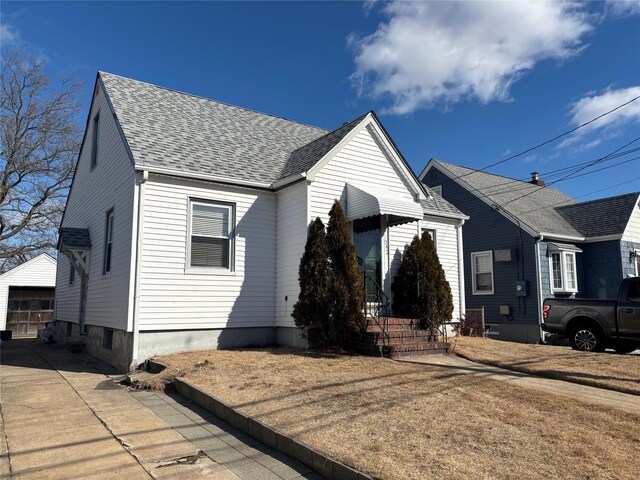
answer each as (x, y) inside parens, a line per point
(420, 289)
(311, 312)
(346, 286)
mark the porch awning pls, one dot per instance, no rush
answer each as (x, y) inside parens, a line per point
(563, 247)
(73, 239)
(363, 202)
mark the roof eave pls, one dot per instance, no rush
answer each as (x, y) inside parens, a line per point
(560, 236)
(203, 176)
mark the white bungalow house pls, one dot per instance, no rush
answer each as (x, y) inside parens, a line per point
(187, 219)
(26, 296)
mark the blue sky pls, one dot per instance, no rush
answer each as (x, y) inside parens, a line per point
(469, 83)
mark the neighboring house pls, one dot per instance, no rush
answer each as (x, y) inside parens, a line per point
(187, 218)
(526, 242)
(26, 296)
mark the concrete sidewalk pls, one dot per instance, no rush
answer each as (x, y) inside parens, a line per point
(599, 396)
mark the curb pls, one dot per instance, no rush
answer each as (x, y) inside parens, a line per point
(321, 464)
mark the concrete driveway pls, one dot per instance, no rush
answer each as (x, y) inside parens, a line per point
(63, 417)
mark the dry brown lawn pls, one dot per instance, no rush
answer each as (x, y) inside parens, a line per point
(605, 370)
(397, 420)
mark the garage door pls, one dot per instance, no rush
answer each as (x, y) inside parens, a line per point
(29, 309)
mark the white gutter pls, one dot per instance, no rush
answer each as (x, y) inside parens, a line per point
(290, 179)
(539, 284)
(603, 238)
(203, 176)
(136, 307)
(561, 237)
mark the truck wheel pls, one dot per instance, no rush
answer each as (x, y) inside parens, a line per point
(587, 339)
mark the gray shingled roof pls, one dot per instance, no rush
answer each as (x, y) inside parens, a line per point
(435, 203)
(308, 155)
(536, 209)
(604, 216)
(182, 132)
(74, 238)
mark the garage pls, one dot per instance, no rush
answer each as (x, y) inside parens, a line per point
(27, 296)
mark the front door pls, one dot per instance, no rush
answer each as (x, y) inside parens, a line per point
(367, 239)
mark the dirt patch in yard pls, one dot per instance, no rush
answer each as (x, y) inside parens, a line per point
(403, 421)
(605, 370)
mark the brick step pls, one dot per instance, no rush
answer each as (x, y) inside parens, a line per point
(394, 351)
(400, 321)
(379, 339)
(390, 328)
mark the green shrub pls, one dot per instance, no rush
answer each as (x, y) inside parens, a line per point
(420, 289)
(346, 290)
(311, 312)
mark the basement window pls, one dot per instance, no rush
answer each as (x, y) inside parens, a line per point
(492, 328)
(107, 339)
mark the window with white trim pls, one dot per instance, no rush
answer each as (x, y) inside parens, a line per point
(564, 277)
(210, 235)
(108, 243)
(482, 272)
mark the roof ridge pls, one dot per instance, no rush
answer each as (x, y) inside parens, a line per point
(603, 199)
(476, 170)
(329, 132)
(173, 90)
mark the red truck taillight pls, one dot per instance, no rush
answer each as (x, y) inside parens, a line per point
(545, 311)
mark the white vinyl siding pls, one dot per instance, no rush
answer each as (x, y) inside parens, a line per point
(210, 237)
(563, 272)
(37, 272)
(110, 184)
(632, 232)
(482, 272)
(292, 236)
(174, 297)
(446, 240)
(361, 161)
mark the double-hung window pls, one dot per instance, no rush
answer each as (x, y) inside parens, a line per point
(210, 235)
(564, 277)
(108, 242)
(482, 272)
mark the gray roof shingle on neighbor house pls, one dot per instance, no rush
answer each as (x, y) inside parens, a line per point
(71, 238)
(530, 204)
(186, 133)
(604, 216)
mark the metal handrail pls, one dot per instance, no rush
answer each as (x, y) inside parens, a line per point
(380, 314)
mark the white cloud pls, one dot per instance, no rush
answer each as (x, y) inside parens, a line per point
(624, 7)
(8, 35)
(590, 107)
(429, 53)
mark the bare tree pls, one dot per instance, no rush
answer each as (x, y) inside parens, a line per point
(40, 141)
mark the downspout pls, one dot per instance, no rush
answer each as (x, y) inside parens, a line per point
(136, 296)
(461, 284)
(539, 285)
